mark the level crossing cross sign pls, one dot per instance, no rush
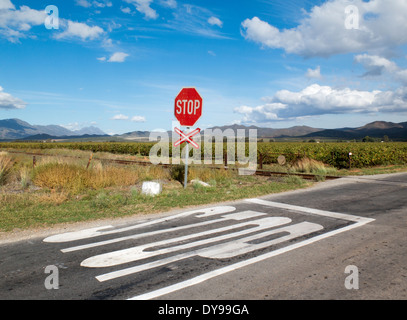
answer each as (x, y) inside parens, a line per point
(187, 137)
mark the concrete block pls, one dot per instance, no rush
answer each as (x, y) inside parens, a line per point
(151, 188)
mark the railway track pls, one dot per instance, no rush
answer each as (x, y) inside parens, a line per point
(260, 172)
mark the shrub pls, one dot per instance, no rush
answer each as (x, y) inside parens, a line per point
(307, 165)
(177, 173)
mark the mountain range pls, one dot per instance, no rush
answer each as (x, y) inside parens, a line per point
(377, 129)
(16, 129)
(13, 129)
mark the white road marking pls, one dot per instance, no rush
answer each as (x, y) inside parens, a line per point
(96, 232)
(225, 250)
(359, 221)
(140, 252)
(234, 216)
(317, 212)
(242, 246)
(254, 235)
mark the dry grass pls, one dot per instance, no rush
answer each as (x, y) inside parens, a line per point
(307, 165)
(206, 174)
(25, 199)
(73, 178)
(25, 176)
(6, 163)
(153, 173)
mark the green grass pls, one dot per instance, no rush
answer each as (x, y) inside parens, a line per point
(372, 170)
(24, 211)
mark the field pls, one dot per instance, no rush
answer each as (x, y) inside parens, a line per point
(338, 155)
(73, 182)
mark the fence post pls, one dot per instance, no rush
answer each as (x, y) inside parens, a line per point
(260, 161)
(90, 159)
(34, 161)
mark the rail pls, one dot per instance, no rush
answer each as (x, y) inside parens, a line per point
(259, 172)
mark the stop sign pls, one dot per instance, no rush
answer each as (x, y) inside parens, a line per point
(188, 107)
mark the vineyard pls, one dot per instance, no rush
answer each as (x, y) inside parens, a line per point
(338, 155)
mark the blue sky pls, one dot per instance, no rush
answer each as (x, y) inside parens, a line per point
(118, 64)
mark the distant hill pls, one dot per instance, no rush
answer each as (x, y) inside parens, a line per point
(88, 131)
(296, 131)
(261, 132)
(135, 135)
(16, 129)
(12, 129)
(44, 136)
(377, 129)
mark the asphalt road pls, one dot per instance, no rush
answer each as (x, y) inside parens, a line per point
(342, 239)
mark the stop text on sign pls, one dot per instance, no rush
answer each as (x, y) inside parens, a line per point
(187, 107)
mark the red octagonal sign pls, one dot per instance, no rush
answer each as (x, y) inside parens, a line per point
(188, 107)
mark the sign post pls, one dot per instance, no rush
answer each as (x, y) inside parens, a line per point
(186, 162)
(188, 109)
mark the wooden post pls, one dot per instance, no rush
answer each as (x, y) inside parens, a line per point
(260, 161)
(90, 159)
(225, 159)
(34, 161)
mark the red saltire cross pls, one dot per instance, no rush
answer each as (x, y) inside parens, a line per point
(187, 137)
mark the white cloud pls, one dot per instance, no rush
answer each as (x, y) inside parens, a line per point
(213, 21)
(244, 110)
(143, 6)
(6, 4)
(120, 117)
(7, 101)
(401, 75)
(194, 19)
(138, 119)
(125, 10)
(14, 24)
(314, 73)
(107, 43)
(118, 57)
(322, 31)
(115, 57)
(259, 114)
(83, 3)
(377, 66)
(318, 100)
(169, 3)
(133, 119)
(80, 30)
(102, 4)
(97, 4)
